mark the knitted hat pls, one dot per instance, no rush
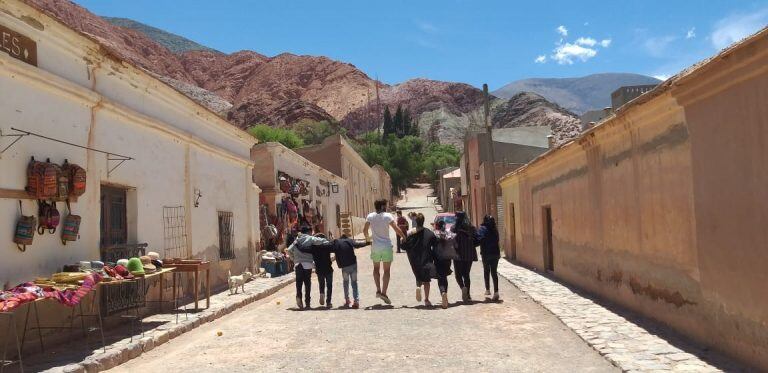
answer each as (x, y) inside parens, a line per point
(122, 271)
(146, 262)
(135, 267)
(122, 262)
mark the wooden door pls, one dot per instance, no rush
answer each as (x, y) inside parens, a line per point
(114, 222)
(549, 260)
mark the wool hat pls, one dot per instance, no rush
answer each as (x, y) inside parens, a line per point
(85, 266)
(122, 262)
(135, 267)
(146, 263)
(153, 255)
(157, 263)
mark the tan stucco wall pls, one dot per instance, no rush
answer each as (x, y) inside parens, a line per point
(662, 207)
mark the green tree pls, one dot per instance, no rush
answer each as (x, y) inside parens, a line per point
(397, 121)
(438, 156)
(284, 136)
(388, 125)
(313, 132)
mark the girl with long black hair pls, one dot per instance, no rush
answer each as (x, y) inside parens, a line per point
(466, 242)
(488, 236)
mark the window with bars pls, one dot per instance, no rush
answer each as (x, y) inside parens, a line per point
(175, 232)
(226, 236)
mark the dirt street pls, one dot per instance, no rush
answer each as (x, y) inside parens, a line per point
(513, 335)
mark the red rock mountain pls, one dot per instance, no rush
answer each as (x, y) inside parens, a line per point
(249, 88)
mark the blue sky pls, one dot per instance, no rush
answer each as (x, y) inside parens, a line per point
(461, 40)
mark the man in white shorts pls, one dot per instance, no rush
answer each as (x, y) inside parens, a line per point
(379, 223)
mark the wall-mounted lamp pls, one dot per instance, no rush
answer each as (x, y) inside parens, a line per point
(198, 194)
(334, 188)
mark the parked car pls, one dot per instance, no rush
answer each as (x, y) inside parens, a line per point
(448, 217)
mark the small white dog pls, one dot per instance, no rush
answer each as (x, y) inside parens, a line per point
(238, 281)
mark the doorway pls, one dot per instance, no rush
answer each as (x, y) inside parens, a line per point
(114, 221)
(512, 234)
(549, 260)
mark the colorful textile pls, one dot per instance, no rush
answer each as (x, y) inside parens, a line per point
(28, 292)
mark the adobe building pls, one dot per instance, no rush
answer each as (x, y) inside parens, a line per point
(510, 150)
(161, 169)
(364, 184)
(282, 173)
(449, 189)
(661, 207)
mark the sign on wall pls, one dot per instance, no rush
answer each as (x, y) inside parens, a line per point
(18, 46)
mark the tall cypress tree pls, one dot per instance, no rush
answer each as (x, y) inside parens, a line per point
(398, 121)
(389, 127)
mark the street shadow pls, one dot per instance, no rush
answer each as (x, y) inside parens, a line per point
(379, 307)
(684, 343)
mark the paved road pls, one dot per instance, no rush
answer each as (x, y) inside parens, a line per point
(514, 335)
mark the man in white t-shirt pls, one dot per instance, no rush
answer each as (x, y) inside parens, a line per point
(379, 223)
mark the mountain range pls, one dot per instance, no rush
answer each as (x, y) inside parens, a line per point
(248, 88)
(576, 94)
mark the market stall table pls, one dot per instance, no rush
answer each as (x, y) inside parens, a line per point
(196, 268)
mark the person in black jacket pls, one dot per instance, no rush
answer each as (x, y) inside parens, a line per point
(344, 248)
(420, 245)
(443, 253)
(321, 254)
(466, 242)
(488, 235)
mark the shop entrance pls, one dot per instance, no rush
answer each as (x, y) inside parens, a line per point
(114, 222)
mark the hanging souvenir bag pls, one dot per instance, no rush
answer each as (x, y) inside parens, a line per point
(70, 229)
(25, 230)
(49, 217)
(43, 179)
(76, 176)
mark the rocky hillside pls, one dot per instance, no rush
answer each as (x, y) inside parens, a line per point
(528, 109)
(174, 43)
(249, 88)
(576, 94)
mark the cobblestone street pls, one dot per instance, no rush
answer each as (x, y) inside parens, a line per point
(540, 325)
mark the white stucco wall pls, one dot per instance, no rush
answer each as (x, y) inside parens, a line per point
(84, 97)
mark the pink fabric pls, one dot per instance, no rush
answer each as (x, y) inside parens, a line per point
(28, 292)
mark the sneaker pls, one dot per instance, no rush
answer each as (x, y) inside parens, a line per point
(329, 305)
(445, 300)
(322, 299)
(464, 294)
(307, 304)
(427, 303)
(487, 293)
(496, 296)
(418, 294)
(347, 303)
(385, 298)
(299, 303)
(356, 305)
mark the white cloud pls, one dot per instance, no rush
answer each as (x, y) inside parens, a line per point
(428, 27)
(661, 77)
(691, 33)
(738, 26)
(605, 43)
(586, 23)
(562, 30)
(589, 42)
(541, 59)
(657, 46)
(565, 54)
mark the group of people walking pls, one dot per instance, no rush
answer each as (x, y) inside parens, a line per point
(430, 254)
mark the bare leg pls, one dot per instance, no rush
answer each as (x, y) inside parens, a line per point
(376, 276)
(385, 278)
(426, 292)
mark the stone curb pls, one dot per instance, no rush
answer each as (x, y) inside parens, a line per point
(624, 344)
(116, 356)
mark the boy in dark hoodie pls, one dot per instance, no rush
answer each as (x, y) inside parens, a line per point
(344, 248)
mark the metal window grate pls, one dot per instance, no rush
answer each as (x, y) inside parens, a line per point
(175, 232)
(226, 236)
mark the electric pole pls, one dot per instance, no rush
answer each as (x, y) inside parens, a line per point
(492, 171)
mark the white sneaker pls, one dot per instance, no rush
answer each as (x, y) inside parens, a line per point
(299, 303)
(418, 294)
(496, 296)
(445, 300)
